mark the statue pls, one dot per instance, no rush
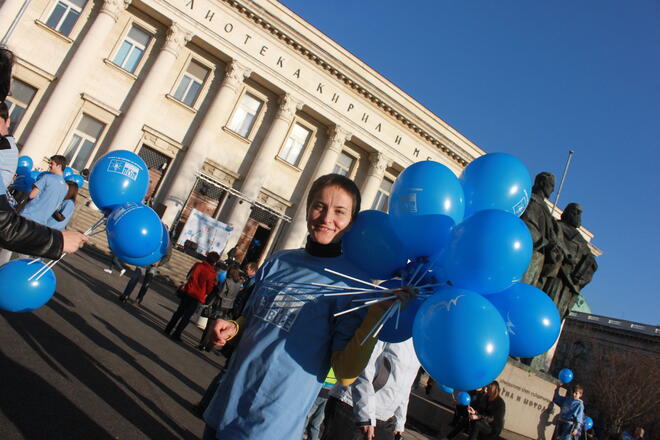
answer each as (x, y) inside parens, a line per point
(542, 226)
(576, 267)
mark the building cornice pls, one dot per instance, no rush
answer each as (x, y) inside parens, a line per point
(337, 69)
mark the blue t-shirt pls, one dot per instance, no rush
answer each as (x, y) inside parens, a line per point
(66, 209)
(283, 357)
(52, 190)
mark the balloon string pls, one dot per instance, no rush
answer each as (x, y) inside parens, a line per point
(354, 279)
(95, 225)
(367, 304)
(414, 275)
(379, 323)
(393, 309)
(398, 313)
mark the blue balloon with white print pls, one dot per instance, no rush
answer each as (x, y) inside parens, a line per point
(496, 181)
(68, 171)
(460, 339)
(25, 162)
(118, 177)
(531, 318)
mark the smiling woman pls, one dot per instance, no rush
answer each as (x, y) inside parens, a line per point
(289, 338)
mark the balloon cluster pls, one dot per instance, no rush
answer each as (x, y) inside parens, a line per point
(118, 184)
(26, 176)
(463, 236)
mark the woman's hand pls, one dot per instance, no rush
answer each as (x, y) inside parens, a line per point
(404, 294)
(223, 331)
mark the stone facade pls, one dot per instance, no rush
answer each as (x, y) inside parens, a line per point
(246, 85)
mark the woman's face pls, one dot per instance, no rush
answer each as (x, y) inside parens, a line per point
(329, 214)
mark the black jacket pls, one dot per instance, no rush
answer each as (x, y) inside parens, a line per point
(19, 234)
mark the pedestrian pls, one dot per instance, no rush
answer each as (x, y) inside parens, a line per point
(571, 413)
(61, 218)
(147, 274)
(47, 193)
(221, 305)
(18, 234)
(8, 148)
(487, 416)
(200, 282)
(376, 404)
(461, 420)
(316, 416)
(116, 263)
(288, 340)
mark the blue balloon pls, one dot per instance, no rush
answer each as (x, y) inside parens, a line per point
(118, 177)
(155, 256)
(19, 293)
(488, 252)
(531, 318)
(496, 181)
(372, 245)
(460, 339)
(221, 277)
(25, 162)
(463, 398)
(426, 201)
(23, 183)
(77, 179)
(445, 389)
(134, 230)
(35, 174)
(23, 171)
(391, 332)
(68, 171)
(588, 423)
(565, 375)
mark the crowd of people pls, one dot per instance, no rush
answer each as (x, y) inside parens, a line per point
(31, 232)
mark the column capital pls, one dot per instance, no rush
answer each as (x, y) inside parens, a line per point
(288, 107)
(379, 164)
(177, 38)
(114, 7)
(337, 138)
(235, 74)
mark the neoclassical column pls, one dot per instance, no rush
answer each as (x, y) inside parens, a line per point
(263, 161)
(377, 166)
(297, 230)
(216, 115)
(128, 134)
(8, 12)
(66, 93)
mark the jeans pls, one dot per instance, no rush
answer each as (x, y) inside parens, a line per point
(182, 316)
(316, 416)
(148, 273)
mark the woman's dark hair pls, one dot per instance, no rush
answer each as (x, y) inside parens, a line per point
(212, 257)
(336, 180)
(495, 384)
(6, 63)
(72, 191)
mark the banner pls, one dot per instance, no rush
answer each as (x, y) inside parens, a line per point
(209, 234)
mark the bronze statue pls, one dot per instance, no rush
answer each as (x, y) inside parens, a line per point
(577, 265)
(542, 227)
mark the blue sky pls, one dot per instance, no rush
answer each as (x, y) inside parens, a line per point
(536, 79)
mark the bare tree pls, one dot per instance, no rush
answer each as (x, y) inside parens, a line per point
(623, 388)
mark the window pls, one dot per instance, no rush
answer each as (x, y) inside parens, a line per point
(82, 143)
(131, 50)
(295, 144)
(345, 164)
(383, 197)
(64, 15)
(191, 83)
(18, 102)
(245, 115)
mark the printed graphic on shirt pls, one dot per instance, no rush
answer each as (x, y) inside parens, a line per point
(282, 308)
(123, 167)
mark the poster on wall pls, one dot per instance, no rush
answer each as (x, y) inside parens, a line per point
(209, 234)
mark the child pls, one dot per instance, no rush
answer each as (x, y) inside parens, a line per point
(571, 415)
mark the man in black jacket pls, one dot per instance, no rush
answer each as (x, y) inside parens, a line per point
(19, 234)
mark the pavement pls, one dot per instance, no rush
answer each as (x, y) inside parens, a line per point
(85, 366)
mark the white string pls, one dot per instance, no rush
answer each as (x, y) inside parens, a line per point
(367, 304)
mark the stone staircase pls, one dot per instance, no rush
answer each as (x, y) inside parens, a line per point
(85, 215)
